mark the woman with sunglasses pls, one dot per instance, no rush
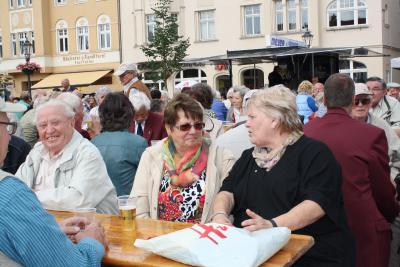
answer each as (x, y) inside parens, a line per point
(178, 178)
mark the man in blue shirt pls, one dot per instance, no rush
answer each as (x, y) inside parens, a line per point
(30, 236)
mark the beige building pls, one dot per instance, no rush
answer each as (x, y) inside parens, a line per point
(215, 26)
(75, 39)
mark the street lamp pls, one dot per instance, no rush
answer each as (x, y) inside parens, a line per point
(27, 46)
(307, 37)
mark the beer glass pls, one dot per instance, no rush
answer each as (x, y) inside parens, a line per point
(127, 207)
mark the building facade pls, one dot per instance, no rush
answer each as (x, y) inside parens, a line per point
(69, 37)
(215, 26)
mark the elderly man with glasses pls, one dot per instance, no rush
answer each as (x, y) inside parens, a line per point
(128, 75)
(384, 106)
(29, 236)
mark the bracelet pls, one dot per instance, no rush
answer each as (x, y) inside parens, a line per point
(273, 223)
(218, 213)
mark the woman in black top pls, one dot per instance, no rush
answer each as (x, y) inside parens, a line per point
(287, 180)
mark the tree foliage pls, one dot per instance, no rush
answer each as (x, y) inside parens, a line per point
(167, 49)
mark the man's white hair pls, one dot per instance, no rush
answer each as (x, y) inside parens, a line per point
(64, 107)
(71, 99)
(103, 90)
(140, 100)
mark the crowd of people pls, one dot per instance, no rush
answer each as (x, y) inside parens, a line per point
(322, 161)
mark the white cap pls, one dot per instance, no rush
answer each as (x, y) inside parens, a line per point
(125, 67)
(11, 107)
(361, 89)
(393, 85)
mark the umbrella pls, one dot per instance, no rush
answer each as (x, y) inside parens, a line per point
(185, 83)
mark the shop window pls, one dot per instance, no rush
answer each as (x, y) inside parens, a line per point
(82, 33)
(341, 13)
(252, 23)
(190, 74)
(62, 37)
(206, 25)
(355, 69)
(104, 32)
(253, 78)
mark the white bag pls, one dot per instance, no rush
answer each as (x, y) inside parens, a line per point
(215, 244)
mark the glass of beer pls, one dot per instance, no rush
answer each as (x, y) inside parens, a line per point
(127, 207)
(88, 213)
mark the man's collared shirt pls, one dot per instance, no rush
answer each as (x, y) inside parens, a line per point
(47, 169)
(129, 84)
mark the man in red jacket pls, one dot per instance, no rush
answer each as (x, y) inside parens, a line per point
(361, 149)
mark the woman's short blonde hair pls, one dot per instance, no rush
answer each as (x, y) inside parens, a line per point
(279, 102)
(305, 86)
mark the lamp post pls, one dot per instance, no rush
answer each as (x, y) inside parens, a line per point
(27, 46)
(307, 37)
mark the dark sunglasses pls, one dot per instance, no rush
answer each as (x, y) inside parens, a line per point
(187, 126)
(363, 101)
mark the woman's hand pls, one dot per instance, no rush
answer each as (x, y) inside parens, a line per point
(256, 222)
(221, 218)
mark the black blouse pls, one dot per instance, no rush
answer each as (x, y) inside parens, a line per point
(306, 171)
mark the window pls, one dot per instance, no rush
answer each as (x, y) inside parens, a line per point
(206, 25)
(356, 70)
(11, 2)
(190, 74)
(13, 44)
(62, 37)
(291, 14)
(104, 32)
(61, 2)
(82, 33)
(21, 38)
(20, 3)
(347, 13)
(252, 20)
(33, 43)
(279, 15)
(304, 14)
(150, 27)
(1, 46)
(30, 2)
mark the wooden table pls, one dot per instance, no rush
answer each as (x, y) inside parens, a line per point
(122, 234)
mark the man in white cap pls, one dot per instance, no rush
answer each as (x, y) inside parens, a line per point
(394, 90)
(29, 236)
(127, 73)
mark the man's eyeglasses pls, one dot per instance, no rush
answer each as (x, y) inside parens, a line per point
(11, 126)
(187, 126)
(363, 101)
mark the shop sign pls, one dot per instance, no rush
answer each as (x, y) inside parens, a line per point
(278, 41)
(84, 58)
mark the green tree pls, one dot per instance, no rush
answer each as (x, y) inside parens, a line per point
(167, 48)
